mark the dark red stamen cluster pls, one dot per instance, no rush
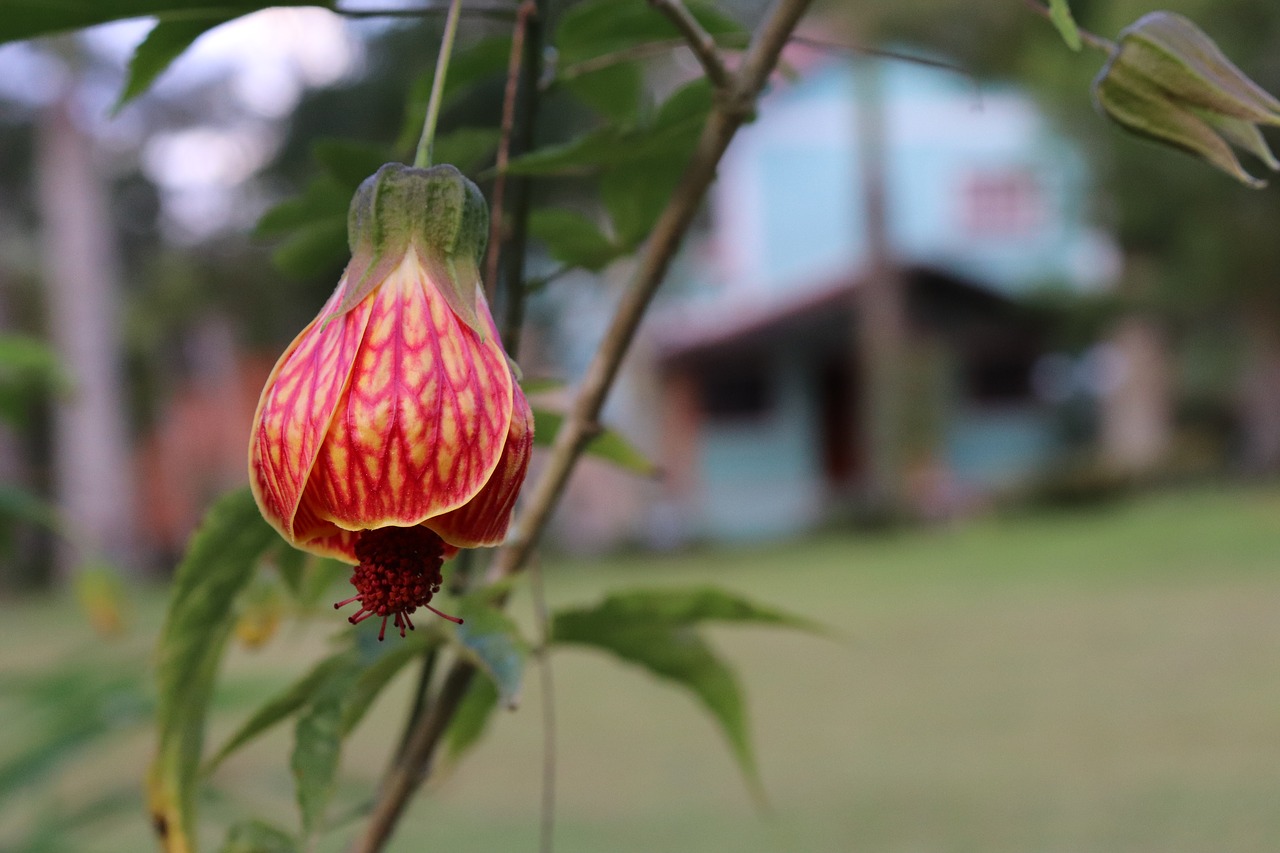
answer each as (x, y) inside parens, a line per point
(399, 572)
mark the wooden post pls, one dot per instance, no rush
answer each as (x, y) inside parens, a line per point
(880, 323)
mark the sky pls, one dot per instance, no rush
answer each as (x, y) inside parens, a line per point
(259, 65)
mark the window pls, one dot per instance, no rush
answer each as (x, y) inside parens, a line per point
(1005, 203)
(735, 390)
(1002, 377)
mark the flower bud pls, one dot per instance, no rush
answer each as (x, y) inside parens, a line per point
(1168, 81)
(392, 432)
(436, 211)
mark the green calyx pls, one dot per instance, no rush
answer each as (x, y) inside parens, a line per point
(1168, 81)
(438, 213)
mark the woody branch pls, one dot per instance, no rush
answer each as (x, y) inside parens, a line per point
(736, 101)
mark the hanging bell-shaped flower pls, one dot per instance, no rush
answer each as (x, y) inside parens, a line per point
(392, 431)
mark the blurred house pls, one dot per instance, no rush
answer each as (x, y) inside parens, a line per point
(756, 349)
(197, 448)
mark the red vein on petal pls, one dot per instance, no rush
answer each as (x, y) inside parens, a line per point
(386, 412)
(294, 432)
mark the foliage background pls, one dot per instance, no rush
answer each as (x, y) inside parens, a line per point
(1086, 682)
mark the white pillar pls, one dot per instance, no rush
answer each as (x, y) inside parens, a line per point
(92, 471)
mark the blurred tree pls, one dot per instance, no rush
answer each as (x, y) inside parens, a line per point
(93, 474)
(881, 319)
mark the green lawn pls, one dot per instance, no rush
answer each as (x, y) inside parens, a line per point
(1092, 681)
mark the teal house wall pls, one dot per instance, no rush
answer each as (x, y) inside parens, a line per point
(760, 477)
(983, 195)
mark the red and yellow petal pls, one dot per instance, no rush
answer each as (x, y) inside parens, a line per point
(420, 426)
(295, 411)
(484, 520)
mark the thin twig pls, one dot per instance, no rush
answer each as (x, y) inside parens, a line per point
(893, 55)
(526, 10)
(575, 432)
(701, 42)
(404, 778)
(862, 50)
(726, 117)
(534, 285)
(542, 619)
(1094, 40)
(734, 42)
(480, 10)
(519, 188)
(643, 50)
(658, 48)
(419, 706)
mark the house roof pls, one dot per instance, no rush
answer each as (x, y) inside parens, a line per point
(823, 312)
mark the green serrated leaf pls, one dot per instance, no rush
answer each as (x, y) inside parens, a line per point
(635, 195)
(688, 606)
(472, 718)
(219, 563)
(615, 92)
(349, 162)
(280, 707)
(608, 148)
(677, 654)
(321, 575)
(314, 249)
(540, 384)
(164, 44)
(599, 27)
(467, 148)
(314, 224)
(493, 642)
(379, 674)
(1060, 15)
(572, 238)
(317, 743)
(671, 135)
(29, 368)
(655, 629)
(609, 445)
(291, 564)
(256, 836)
(690, 103)
(324, 198)
(24, 19)
(74, 705)
(580, 155)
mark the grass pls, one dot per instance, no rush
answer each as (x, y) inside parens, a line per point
(1089, 681)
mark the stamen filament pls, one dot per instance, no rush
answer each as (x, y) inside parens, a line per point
(398, 572)
(454, 619)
